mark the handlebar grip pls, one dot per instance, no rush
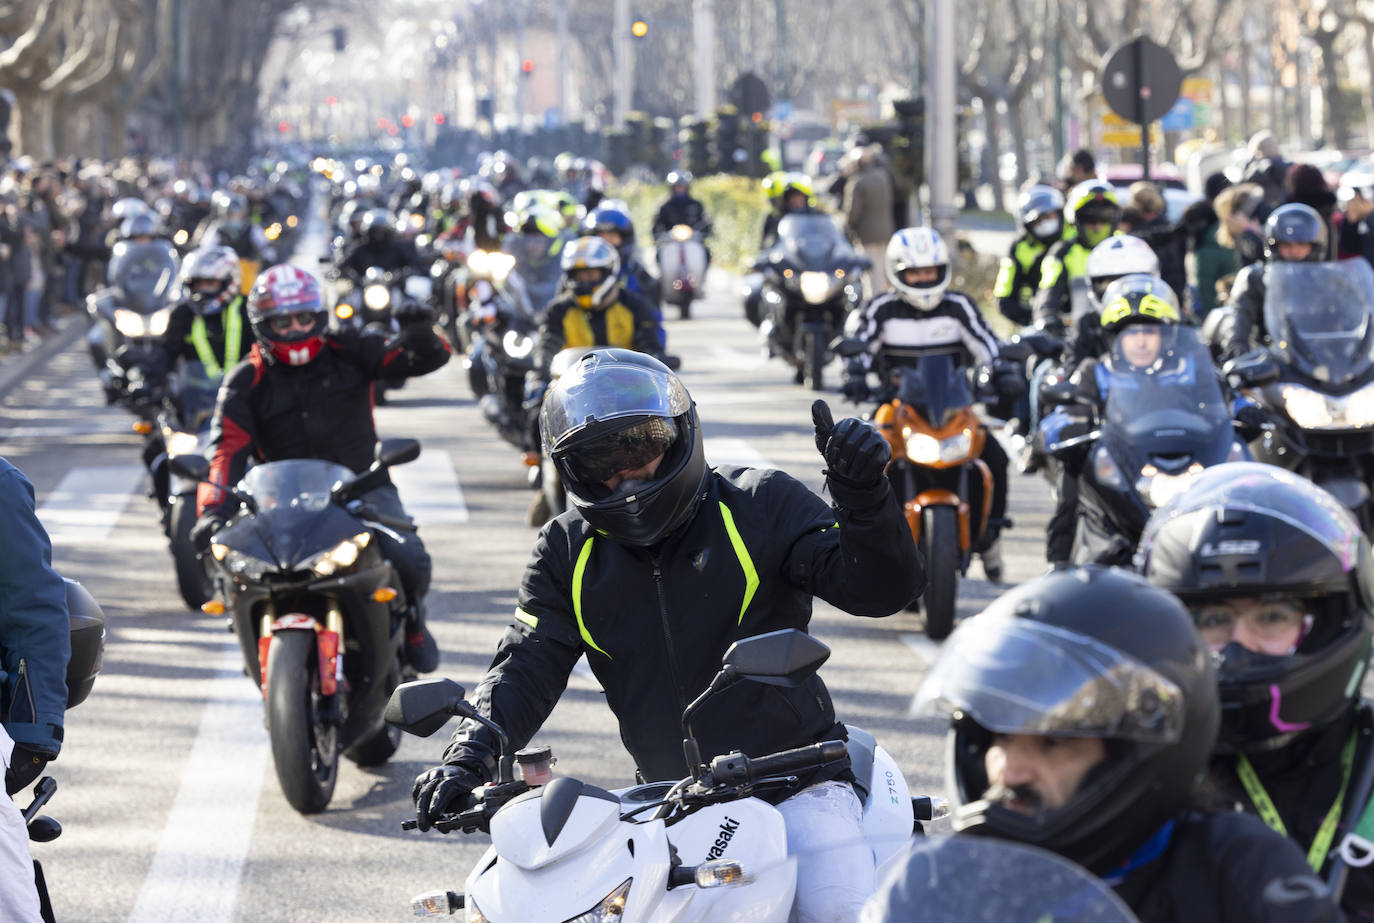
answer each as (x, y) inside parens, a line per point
(736, 767)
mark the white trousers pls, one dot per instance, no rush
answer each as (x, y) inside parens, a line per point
(877, 276)
(18, 895)
(835, 872)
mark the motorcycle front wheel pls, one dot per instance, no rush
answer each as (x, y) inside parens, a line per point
(814, 359)
(193, 580)
(940, 548)
(304, 751)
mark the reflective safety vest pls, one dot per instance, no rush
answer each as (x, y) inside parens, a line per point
(1074, 264)
(1020, 273)
(199, 338)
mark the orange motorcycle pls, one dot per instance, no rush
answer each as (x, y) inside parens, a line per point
(944, 487)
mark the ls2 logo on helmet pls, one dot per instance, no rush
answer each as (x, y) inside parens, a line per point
(1235, 546)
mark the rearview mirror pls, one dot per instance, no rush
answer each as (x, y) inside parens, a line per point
(848, 347)
(191, 467)
(397, 451)
(787, 657)
(423, 706)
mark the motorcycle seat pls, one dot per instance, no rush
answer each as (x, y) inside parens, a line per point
(861, 746)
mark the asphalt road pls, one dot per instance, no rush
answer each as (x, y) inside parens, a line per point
(168, 799)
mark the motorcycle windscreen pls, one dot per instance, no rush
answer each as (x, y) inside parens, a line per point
(195, 395)
(145, 273)
(1163, 398)
(296, 517)
(811, 241)
(1318, 316)
(935, 384)
(956, 877)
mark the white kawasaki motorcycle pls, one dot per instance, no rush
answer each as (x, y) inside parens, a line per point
(701, 849)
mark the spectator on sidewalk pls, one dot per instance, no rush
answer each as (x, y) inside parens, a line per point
(868, 213)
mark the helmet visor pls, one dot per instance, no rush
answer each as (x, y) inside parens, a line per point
(580, 399)
(1019, 676)
(597, 461)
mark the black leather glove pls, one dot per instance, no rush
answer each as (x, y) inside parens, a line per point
(26, 764)
(443, 790)
(206, 526)
(855, 455)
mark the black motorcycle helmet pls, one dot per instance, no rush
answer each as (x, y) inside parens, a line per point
(1295, 223)
(1245, 530)
(614, 410)
(1039, 204)
(377, 226)
(1083, 652)
(88, 642)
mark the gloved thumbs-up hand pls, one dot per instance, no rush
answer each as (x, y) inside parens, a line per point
(855, 455)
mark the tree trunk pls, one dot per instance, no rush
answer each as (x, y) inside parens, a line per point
(992, 148)
(117, 117)
(1017, 126)
(1335, 126)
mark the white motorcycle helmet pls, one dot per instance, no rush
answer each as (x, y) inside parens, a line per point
(918, 248)
(1121, 255)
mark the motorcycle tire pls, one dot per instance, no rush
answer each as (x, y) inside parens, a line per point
(304, 754)
(193, 579)
(684, 307)
(814, 362)
(940, 548)
(377, 747)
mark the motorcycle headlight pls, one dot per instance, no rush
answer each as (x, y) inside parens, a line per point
(477, 261)
(1157, 488)
(815, 287)
(343, 310)
(131, 323)
(157, 322)
(682, 232)
(956, 447)
(182, 444)
(1314, 410)
(1106, 470)
(241, 565)
(339, 558)
(611, 908)
(922, 448)
(273, 231)
(500, 265)
(517, 345)
(376, 297)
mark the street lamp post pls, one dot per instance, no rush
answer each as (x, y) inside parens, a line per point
(943, 144)
(624, 71)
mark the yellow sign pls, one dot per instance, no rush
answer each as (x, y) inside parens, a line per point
(1198, 89)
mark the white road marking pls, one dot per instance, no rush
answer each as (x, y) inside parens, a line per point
(104, 426)
(731, 357)
(926, 651)
(199, 860)
(720, 451)
(583, 670)
(87, 503)
(430, 491)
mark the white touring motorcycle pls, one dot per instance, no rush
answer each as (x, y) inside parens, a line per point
(702, 848)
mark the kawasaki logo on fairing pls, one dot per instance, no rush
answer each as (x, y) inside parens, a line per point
(727, 833)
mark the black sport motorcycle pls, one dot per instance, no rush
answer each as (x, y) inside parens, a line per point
(1315, 383)
(501, 330)
(1163, 423)
(319, 614)
(128, 319)
(182, 427)
(812, 279)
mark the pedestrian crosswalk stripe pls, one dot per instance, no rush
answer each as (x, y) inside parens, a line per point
(87, 503)
(430, 491)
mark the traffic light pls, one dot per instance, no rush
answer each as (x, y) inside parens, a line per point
(340, 38)
(639, 28)
(527, 67)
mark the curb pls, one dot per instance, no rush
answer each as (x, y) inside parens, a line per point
(14, 369)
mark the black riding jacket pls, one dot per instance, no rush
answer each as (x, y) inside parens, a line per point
(675, 211)
(322, 409)
(1304, 778)
(655, 624)
(1228, 868)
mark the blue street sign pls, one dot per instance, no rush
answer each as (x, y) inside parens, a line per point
(1180, 117)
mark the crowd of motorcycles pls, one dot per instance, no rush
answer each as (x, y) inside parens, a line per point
(318, 611)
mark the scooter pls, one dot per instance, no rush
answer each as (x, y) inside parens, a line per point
(702, 848)
(682, 267)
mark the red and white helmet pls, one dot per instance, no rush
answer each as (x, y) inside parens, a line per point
(217, 264)
(287, 313)
(918, 248)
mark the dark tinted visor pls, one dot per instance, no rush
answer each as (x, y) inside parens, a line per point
(624, 450)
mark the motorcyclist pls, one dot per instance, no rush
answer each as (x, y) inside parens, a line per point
(660, 565)
(1093, 209)
(681, 208)
(1116, 257)
(919, 311)
(380, 246)
(231, 228)
(306, 392)
(484, 213)
(1083, 709)
(612, 223)
(1040, 210)
(537, 242)
(1278, 578)
(1293, 233)
(796, 196)
(35, 644)
(1139, 313)
(208, 324)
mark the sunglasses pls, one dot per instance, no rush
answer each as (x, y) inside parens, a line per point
(280, 323)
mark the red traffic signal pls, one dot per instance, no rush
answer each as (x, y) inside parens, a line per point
(527, 67)
(283, 126)
(408, 120)
(438, 118)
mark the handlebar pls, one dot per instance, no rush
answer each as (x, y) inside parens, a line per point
(736, 768)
